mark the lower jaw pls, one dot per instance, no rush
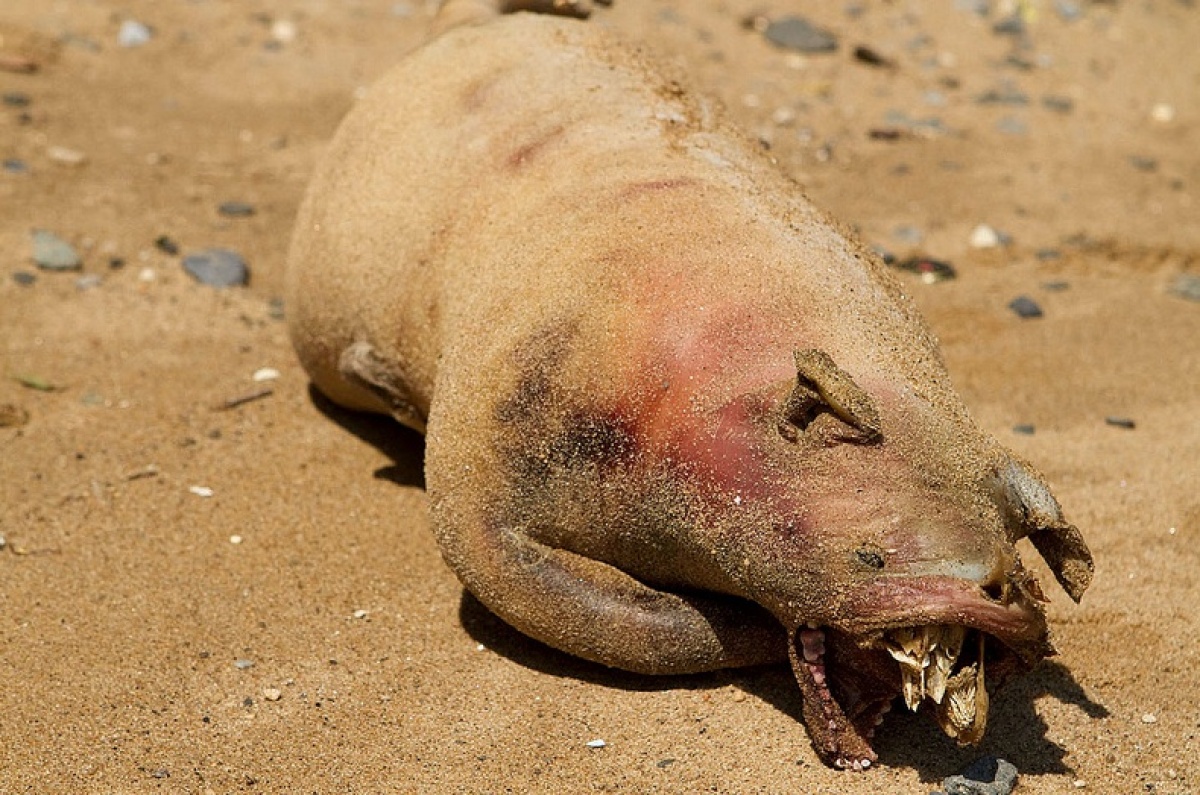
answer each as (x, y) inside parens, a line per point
(848, 688)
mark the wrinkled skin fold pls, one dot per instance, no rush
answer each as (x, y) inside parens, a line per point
(677, 420)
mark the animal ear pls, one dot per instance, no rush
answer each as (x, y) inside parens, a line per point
(824, 388)
(1038, 516)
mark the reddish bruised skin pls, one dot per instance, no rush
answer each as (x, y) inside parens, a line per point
(676, 420)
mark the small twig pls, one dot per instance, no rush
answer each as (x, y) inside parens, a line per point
(10, 62)
(241, 400)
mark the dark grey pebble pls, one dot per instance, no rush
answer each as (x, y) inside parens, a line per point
(1024, 430)
(1058, 103)
(1009, 26)
(1044, 254)
(236, 209)
(14, 166)
(988, 775)
(1186, 285)
(977, 7)
(1025, 307)
(24, 278)
(166, 245)
(930, 270)
(796, 33)
(1069, 10)
(1147, 164)
(1003, 97)
(1120, 422)
(17, 99)
(217, 267)
(52, 253)
(116, 263)
(1055, 287)
(1011, 125)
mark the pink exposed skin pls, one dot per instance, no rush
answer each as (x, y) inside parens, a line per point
(676, 419)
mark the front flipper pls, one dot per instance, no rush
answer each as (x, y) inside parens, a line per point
(598, 612)
(1039, 516)
(361, 366)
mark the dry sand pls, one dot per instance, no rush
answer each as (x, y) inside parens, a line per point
(329, 649)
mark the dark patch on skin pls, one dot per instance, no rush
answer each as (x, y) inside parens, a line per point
(530, 151)
(546, 434)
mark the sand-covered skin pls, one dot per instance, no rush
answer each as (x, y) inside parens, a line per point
(123, 624)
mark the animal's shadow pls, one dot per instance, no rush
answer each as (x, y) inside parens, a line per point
(404, 446)
(1015, 731)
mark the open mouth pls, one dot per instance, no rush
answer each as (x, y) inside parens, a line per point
(850, 683)
(933, 666)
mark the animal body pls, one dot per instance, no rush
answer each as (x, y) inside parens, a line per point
(676, 420)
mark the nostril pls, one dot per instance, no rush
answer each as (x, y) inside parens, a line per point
(994, 591)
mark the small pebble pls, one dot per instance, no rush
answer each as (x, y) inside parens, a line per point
(1121, 422)
(988, 775)
(217, 267)
(14, 166)
(201, 491)
(134, 34)
(242, 665)
(1056, 287)
(1025, 307)
(800, 35)
(907, 233)
(166, 245)
(52, 253)
(1045, 254)
(596, 743)
(272, 693)
(1149, 717)
(1186, 285)
(1024, 430)
(1147, 164)
(1162, 113)
(24, 278)
(236, 209)
(17, 99)
(1011, 125)
(1058, 103)
(360, 613)
(1068, 10)
(283, 31)
(235, 540)
(870, 57)
(265, 374)
(930, 270)
(88, 282)
(984, 236)
(1009, 26)
(1009, 97)
(66, 155)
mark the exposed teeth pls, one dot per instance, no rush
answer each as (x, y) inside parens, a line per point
(963, 713)
(926, 655)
